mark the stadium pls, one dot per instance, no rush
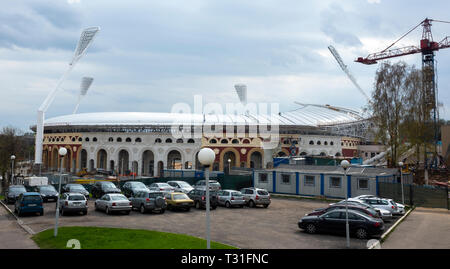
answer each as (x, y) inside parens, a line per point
(143, 142)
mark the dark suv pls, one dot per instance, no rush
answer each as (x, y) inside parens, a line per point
(101, 188)
(199, 198)
(149, 201)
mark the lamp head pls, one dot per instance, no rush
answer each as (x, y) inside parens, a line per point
(345, 164)
(206, 156)
(400, 164)
(13, 157)
(62, 151)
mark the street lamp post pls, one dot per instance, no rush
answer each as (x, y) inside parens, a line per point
(62, 152)
(13, 157)
(345, 164)
(206, 157)
(401, 181)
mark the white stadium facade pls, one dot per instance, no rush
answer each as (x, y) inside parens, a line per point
(143, 143)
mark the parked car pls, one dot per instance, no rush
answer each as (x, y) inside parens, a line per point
(161, 186)
(400, 207)
(230, 198)
(130, 188)
(113, 202)
(360, 208)
(101, 188)
(29, 202)
(178, 200)
(213, 185)
(75, 188)
(48, 192)
(199, 198)
(256, 196)
(361, 225)
(73, 202)
(380, 203)
(180, 186)
(386, 215)
(13, 192)
(148, 201)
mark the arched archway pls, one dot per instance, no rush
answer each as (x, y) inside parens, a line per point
(148, 163)
(160, 169)
(54, 159)
(174, 160)
(229, 155)
(256, 160)
(124, 158)
(198, 165)
(102, 158)
(83, 159)
(91, 164)
(68, 161)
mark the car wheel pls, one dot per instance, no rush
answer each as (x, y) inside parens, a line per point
(142, 209)
(251, 203)
(162, 211)
(107, 211)
(188, 209)
(62, 212)
(266, 206)
(85, 212)
(127, 212)
(15, 210)
(361, 233)
(41, 213)
(227, 204)
(311, 228)
(214, 207)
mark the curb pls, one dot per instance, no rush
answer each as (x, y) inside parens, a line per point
(385, 234)
(19, 221)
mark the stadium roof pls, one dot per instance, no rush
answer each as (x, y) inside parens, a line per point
(308, 115)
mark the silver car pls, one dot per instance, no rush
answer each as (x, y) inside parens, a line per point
(149, 202)
(381, 203)
(113, 202)
(256, 196)
(400, 207)
(73, 202)
(214, 185)
(386, 215)
(230, 198)
(180, 186)
(161, 186)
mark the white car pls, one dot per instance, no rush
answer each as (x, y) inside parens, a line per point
(161, 186)
(400, 207)
(180, 186)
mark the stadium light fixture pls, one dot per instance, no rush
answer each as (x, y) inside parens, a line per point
(85, 84)
(87, 36)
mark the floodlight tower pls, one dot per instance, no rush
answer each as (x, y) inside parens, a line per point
(241, 90)
(87, 36)
(85, 84)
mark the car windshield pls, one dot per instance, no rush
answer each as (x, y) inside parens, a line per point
(180, 196)
(17, 189)
(47, 188)
(138, 185)
(263, 193)
(184, 184)
(236, 193)
(108, 185)
(76, 198)
(156, 194)
(32, 198)
(163, 185)
(118, 198)
(76, 188)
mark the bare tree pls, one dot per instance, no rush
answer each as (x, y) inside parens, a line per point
(387, 105)
(11, 143)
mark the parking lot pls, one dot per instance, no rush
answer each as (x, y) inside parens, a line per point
(249, 228)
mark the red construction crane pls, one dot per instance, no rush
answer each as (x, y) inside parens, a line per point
(427, 48)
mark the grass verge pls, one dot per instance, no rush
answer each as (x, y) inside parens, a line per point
(115, 238)
(2, 197)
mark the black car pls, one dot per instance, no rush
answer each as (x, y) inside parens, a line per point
(199, 198)
(363, 209)
(101, 188)
(130, 188)
(13, 192)
(361, 225)
(75, 188)
(48, 192)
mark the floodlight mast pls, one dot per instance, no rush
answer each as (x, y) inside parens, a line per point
(85, 84)
(87, 36)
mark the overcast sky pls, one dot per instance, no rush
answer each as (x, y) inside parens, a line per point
(151, 54)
